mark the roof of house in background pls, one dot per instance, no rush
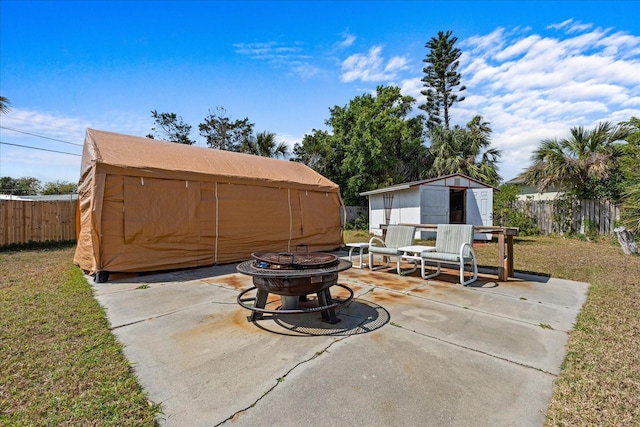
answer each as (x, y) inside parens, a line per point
(408, 185)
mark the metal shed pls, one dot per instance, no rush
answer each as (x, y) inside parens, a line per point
(450, 199)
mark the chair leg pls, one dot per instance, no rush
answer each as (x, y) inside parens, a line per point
(474, 276)
(399, 269)
(385, 259)
(432, 275)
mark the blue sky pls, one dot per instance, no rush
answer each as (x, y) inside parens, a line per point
(533, 69)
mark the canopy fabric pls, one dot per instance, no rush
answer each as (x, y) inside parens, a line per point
(147, 205)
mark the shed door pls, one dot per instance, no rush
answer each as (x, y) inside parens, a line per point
(479, 209)
(434, 208)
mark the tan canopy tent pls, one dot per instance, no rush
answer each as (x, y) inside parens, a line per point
(146, 205)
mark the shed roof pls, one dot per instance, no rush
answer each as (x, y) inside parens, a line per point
(408, 185)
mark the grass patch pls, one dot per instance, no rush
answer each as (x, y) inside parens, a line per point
(61, 365)
(600, 379)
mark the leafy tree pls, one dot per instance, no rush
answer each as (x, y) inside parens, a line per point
(374, 143)
(320, 151)
(466, 151)
(630, 213)
(4, 105)
(25, 186)
(220, 132)
(263, 144)
(60, 187)
(508, 211)
(170, 127)
(442, 79)
(587, 160)
(631, 158)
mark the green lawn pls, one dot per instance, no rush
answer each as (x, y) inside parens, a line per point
(62, 366)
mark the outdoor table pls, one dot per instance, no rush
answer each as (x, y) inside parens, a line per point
(412, 254)
(363, 248)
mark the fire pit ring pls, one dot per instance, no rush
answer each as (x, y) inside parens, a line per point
(293, 276)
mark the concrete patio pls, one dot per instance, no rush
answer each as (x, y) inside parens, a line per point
(406, 352)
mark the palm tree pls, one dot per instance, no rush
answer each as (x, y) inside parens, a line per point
(264, 144)
(630, 214)
(578, 162)
(465, 151)
(4, 102)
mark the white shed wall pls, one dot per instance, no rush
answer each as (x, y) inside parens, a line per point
(405, 209)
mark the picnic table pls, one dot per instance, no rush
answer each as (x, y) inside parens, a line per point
(505, 243)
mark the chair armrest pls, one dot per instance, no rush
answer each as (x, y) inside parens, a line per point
(375, 239)
(471, 251)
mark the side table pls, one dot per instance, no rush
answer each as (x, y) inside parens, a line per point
(363, 248)
(412, 254)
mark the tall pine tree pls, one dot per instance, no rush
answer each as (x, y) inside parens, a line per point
(442, 79)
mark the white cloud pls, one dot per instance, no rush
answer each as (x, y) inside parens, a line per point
(570, 26)
(272, 51)
(396, 63)
(412, 87)
(49, 124)
(278, 55)
(520, 47)
(289, 140)
(347, 41)
(371, 67)
(304, 70)
(44, 130)
(533, 86)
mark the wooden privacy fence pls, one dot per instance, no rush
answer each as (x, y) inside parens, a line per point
(600, 214)
(37, 221)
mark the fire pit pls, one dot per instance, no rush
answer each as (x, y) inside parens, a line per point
(293, 276)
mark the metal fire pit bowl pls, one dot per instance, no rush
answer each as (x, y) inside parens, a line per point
(293, 276)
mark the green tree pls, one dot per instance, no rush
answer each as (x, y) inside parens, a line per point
(630, 213)
(508, 211)
(631, 158)
(220, 132)
(263, 144)
(466, 151)
(4, 105)
(321, 153)
(25, 186)
(582, 163)
(170, 127)
(60, 187)
(374, 143)
(442, 79)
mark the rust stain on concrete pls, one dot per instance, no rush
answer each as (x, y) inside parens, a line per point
(236, 281)
(381, 296)
(214, 323)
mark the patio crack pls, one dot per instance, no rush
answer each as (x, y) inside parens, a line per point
(168, 313)
(283, 377)
(475, 350)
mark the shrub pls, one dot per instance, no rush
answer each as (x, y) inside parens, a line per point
(360, 223)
